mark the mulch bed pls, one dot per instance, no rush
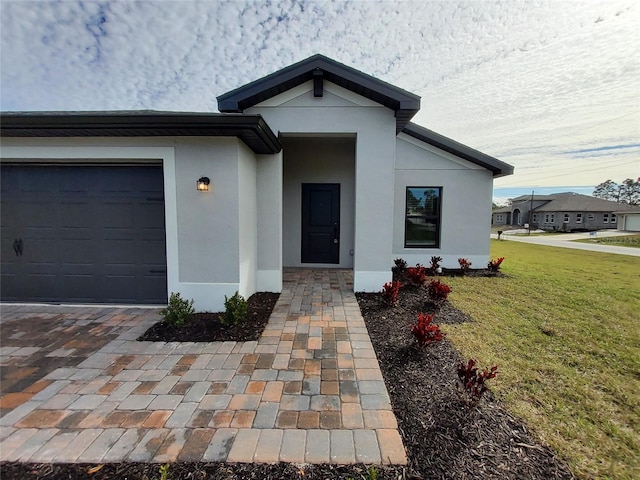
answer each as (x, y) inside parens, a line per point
(446, 436)
(210, 327)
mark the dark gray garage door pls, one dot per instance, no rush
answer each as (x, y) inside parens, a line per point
(86, 234)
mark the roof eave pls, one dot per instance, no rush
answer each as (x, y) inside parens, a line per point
(497, 167)
(251, 129)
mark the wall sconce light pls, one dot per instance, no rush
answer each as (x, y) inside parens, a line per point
(203, 184)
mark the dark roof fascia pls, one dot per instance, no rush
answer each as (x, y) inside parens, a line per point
(404, 103)
(499, 168)
(251, 129)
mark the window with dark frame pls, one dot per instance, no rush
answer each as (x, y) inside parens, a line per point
(422, 217)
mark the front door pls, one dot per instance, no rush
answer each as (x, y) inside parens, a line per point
(320, 223)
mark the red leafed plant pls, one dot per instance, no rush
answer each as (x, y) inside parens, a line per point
(465, 265)
(494, 265)
(425, 331)
(390, 292)
(438, 290)
(417, 274)
(474, 381)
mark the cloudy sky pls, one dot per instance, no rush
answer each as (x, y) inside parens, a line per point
(551, 87)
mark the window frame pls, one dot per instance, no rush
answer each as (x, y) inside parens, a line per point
(438, 216)
(605, 218)
(578, 217)
(567, 218)
(613, 218)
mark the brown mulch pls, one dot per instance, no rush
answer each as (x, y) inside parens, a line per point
(210, 327)
(196, 471)
(446, 435)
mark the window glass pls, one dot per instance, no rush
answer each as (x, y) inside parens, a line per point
(422, 217)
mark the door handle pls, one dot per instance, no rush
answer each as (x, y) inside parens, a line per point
(18, 246)
(335, 233)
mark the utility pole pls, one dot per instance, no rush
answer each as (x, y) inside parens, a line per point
(531, 213)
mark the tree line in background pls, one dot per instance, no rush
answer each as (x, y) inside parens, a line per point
(626, 192)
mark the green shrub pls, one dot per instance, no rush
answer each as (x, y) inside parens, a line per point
(235, 309)
(177, 310)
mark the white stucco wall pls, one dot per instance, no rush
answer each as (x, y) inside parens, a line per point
(317, 160)
(466, 203)
(269, 201)
(340, 111)
(248, 221)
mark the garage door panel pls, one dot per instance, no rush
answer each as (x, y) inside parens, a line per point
(76, 233)
(35, 214)
(76, 214)
(39, 251)
(153, 249)
(118, 215)
(89, 234)
(79, 288)
(120, 288)
(119, 252)
(11, 289)
(146, 212)
(42, 288)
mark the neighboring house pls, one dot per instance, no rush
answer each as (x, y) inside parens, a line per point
(104, 207)
(559, 212)
(629, 220)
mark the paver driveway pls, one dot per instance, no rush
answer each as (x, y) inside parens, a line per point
(77, 386)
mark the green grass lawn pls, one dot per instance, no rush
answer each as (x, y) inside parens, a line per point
(564, 329)
(619, 241)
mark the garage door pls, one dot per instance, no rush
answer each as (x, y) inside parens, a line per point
(632, 223)
(84, 234)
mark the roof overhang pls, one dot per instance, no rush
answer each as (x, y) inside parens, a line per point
(251, 129)
(404, 104)
(497, 167)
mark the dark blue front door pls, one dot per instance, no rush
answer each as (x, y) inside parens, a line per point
(320, 223)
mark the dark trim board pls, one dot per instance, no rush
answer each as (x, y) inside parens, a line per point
(251, 129)
(499, 169)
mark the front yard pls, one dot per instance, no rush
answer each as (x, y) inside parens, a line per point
(564, 329)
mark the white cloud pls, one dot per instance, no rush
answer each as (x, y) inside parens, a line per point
(525, 82)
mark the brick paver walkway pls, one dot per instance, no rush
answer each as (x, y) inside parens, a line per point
(77, 387)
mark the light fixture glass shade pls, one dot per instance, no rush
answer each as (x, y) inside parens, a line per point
(203, 184)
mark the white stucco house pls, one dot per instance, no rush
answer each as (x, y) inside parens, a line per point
(316, 165)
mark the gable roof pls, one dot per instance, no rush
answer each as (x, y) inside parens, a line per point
(567, 202)
(575, 202)
(405, 104)
(496, 166)
(536, 198)
(251, 129)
